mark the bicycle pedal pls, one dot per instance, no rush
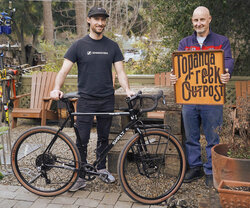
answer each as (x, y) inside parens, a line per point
(104, 178)
(103, 175)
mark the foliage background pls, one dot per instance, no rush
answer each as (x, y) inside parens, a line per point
(163, 22)
(229, 17)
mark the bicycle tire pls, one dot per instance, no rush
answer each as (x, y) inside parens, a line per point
(2, 113)
(5, 96)
(153, 175)
(4, 101)
(62, 161)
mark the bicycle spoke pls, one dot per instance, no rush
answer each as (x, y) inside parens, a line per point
(35, 178)
(157, 165)
(45, 171)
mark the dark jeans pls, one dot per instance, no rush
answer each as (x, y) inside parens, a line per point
(211, 118)
(84, 124)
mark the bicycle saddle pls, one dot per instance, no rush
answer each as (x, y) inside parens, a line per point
(71, 95)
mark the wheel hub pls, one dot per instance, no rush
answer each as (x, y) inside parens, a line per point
(44, 160)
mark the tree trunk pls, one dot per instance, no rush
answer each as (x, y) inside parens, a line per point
(93, 3)
(81, 16)
(32, 52)
(117, 10)
(20, 37)
(110, 22)
(48, 21)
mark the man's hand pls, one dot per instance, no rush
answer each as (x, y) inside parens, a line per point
(56, 94)
(173, 78)
(130, 93)
(225, 77)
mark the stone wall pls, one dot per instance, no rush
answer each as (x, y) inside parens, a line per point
(172, 118)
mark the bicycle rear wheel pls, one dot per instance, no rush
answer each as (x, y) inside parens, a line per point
(46, 174)
(5, 99)
(152, 168)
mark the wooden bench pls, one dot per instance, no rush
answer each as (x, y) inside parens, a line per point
(40, 102)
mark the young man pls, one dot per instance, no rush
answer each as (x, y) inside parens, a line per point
(209, 116)
(94, 54)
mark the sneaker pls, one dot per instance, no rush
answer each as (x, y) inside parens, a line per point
(106, 176)
(193, 174)
(209, 181)
(79, 184)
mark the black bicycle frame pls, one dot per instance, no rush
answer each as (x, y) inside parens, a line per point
(114, 141)
(1, 61)
(72, 114)
(104, 153)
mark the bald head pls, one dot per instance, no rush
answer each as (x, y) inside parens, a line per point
(201, 19)
(201, 10)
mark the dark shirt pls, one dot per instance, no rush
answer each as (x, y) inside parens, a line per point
(212, 41)
(94, 60)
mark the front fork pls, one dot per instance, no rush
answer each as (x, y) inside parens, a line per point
(141, 147)
(145, 165)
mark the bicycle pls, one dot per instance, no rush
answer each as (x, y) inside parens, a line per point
(5, 90)
(151, 165)
(8, 76)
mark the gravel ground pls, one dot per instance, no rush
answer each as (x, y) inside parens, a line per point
(189, 195)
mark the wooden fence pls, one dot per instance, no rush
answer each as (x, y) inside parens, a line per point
(70, 85)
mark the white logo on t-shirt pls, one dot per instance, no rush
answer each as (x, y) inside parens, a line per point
(97, 53)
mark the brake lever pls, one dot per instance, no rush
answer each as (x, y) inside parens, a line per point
(133, 97)
(163, 99)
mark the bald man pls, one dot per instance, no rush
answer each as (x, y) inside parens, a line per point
(209, 116)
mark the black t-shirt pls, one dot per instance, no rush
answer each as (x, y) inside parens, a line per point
(94, 60)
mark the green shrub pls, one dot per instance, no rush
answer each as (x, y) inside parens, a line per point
(54, 57)
(154, 60)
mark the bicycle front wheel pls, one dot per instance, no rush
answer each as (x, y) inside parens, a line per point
(46, 173)
(151, 167)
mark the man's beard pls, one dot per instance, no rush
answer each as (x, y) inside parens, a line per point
(97, 32)
(200, 30)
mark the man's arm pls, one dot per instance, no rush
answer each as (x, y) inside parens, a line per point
(122, 78)
(60, 78)
(225, 77)
(173, 78)
(229, 62)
